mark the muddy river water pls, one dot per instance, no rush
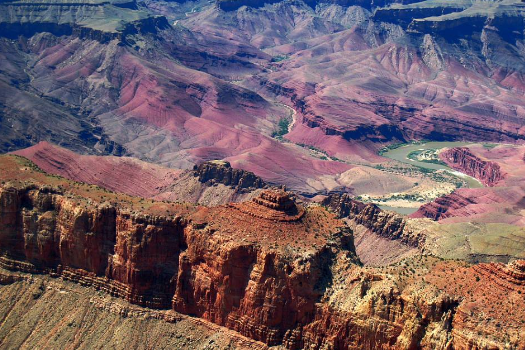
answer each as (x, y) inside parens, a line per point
(401, 154)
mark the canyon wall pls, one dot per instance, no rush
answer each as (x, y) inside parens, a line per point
(79, 19)
(180, 262)
(462, 159)
(443, 207)
(269, 268)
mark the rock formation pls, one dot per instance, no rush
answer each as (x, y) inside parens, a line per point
(510, 276)
(157, 260)
(462, 159)
(269, 268)
(275, 205)
(221, 172)
(385, 224)
(82, 19)
(211, 183)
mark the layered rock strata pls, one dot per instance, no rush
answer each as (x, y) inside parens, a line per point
(275, 205)
(210, 183)
(217, 171)
(507, 276)
(254, 267)
(383, 223)
(442, 207)
(94, 20)
(163, 261)
(462, 159)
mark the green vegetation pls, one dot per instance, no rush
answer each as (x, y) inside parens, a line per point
(315, 149)
(402, 196)
(282, 128)
(385, 149)
(390, 147)
(489, 145)
(280, 58)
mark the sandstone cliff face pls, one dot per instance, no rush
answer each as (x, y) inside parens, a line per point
(184, 262)
(268, 268)
(462, 159)
(385, 224)
(131, 256)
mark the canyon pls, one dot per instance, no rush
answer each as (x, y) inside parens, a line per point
(181, 83)
(290, 278)
(214, 174)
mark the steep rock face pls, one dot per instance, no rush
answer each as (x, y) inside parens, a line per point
(221, 172)
(462, 159)
(269, 268)
(262, 292)
(385, 224)
(483, 309)
(91, 244)
(154, 260)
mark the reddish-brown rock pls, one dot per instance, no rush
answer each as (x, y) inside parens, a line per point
(256, 267)
(221, 172)
(442, 207)
(462, 159)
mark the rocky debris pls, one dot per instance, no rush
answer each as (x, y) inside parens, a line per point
(462, 159)
(385, 224)
(7, 278)
(48, 313)
(218, 171)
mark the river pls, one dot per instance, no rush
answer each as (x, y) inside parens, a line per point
(401, 154)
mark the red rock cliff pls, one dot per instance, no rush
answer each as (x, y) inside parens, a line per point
(269, 269)
(462, 159)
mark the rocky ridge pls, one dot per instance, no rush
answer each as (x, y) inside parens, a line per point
(383, 223)
(442, 207)
(93, 20)
(213, 182)
(215, 172)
